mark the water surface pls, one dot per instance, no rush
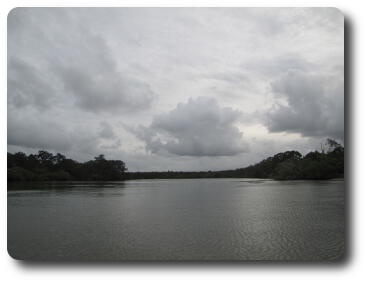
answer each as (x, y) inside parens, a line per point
(195, 219)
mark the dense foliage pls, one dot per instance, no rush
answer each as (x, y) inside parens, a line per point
(289, 165)
(45, 166)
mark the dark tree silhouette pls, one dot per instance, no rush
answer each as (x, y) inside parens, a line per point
(289, 165)
(48, 167)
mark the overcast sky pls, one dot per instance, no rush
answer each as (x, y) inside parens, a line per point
(175, 88)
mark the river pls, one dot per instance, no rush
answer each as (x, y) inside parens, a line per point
(187, 219)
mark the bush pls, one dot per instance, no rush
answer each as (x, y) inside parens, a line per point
(287, 170)
(19, 174)
(60, 175)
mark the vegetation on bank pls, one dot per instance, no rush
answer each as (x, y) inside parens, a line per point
(289, 165)
(45, 166)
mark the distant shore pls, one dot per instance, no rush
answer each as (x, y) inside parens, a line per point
(289, 165)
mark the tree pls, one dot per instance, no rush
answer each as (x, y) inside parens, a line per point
(45, 166)
(287, 170)
(100, 158)
(46, 159)
(59, 158)
(285, 165)
(330, 145)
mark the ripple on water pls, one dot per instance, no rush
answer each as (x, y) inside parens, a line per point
(179, 219)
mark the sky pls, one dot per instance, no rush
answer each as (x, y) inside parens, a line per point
(175, 88)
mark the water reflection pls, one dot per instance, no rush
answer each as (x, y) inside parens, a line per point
(206, 219)
(36, 189)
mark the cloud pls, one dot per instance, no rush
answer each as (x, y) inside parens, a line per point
(43, 132)
(199, 127)
(115, 145)
(69, 69)
(273, 66)
(228, 77)
(81, 63)
(95, 93)
(106, 131)
(314, 105)
(33, 133)
(27, 86)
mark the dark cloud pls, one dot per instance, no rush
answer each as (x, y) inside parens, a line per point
(314, 105)
(199, 127)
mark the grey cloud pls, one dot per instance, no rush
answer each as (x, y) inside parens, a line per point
(229, 77)
(43, 132)
(71, 68)
(112, 146)
(95, 81)
(110, 141)
(274, 66)
(106, 131)
(27, 86)
(314, 105)
(95, 93)
(199, 127)
(80, 60)
(32, 133)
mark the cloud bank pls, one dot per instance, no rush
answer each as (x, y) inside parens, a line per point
(198, 127)
(314, 105)
(173, 88)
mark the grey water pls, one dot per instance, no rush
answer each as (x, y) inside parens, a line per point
(191, 219)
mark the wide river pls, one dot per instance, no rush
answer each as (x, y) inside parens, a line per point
(193, 219)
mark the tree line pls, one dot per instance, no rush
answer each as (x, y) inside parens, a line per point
(45, 166)
(290, 165)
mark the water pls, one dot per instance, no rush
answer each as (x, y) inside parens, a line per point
(197, 219)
